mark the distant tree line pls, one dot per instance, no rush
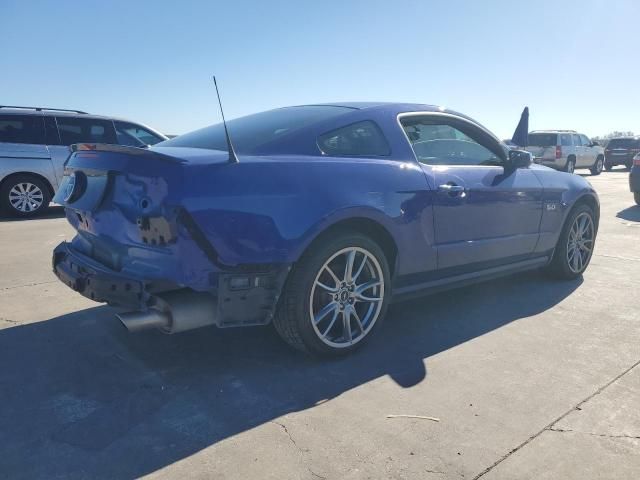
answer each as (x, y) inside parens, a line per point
(604, 139)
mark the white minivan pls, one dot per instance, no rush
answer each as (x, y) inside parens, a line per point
(34, 144)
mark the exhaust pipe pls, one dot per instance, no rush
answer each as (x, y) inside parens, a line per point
(174, 312)
(138, 321)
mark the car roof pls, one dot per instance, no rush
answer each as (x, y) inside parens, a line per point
(390, 106)
(43, 111)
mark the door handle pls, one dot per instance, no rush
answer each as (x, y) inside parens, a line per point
(451, 188)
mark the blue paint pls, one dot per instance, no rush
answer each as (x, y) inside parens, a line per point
(267, 209)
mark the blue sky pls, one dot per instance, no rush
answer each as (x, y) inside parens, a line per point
(574, 63)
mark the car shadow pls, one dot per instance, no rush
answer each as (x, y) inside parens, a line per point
(630, 213)
(55, 211)
(82, 398)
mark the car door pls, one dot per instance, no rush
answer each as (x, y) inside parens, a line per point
(484, 215)
(589, 152)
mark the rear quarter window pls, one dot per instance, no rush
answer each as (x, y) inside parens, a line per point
(361, 139)
(22, 129)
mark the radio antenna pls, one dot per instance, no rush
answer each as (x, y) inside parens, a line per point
(233, 158)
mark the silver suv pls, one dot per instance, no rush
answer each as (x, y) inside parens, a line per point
(566, 150)
(34, 144)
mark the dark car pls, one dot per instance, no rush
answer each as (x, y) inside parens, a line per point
(634, 178)
(620, 151)
(320, 217)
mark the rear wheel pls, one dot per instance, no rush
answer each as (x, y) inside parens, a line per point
(596, 169)
(24, 196)
(335, 296)
(636, 197)
(575, 245)
(570, 165)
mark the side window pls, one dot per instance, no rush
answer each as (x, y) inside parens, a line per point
(362, 139)
(565, 140)
(85, 130)
(22, 129)
(134, 135)
(436, 143)
(576, 140)
(585, 140)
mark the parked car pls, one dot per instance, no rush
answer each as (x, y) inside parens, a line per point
(634, 178)
(620, 151)
(315, 220)
(566, 150)
(34, 144)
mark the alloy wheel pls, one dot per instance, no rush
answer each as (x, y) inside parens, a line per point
(26, 197)
(346, 297)
(580, 242)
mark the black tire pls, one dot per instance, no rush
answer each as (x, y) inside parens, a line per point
(293, 320)
(636, 197)
(570, 166)
(559, 266)
(596, 169)
(16, 181)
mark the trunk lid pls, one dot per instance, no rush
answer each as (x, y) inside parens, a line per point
(126, 204)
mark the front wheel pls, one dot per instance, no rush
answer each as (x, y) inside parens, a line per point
(596, 169)
(335, 296)
(575, 245)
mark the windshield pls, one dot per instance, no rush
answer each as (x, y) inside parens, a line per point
(250, 132)
(543, 139)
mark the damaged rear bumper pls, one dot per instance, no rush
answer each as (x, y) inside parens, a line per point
(241, 297)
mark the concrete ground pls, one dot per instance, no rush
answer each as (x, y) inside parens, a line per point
(529, 378)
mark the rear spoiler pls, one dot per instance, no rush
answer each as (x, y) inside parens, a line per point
(107, 147)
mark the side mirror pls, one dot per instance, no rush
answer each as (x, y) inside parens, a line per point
(519, 159)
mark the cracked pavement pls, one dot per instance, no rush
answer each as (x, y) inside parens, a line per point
(530, 378)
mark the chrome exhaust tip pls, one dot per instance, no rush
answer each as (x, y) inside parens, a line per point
(138, 321)
(173, 312)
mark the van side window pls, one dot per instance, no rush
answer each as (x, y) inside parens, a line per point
(85, 130)
(22, 129)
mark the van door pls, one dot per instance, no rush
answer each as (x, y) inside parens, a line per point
(22, 146)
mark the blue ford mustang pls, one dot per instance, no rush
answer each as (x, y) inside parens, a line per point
(321, 215)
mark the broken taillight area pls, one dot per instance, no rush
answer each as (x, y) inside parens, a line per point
(157, 230)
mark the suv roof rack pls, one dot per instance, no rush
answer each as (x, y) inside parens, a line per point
(40, 109)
